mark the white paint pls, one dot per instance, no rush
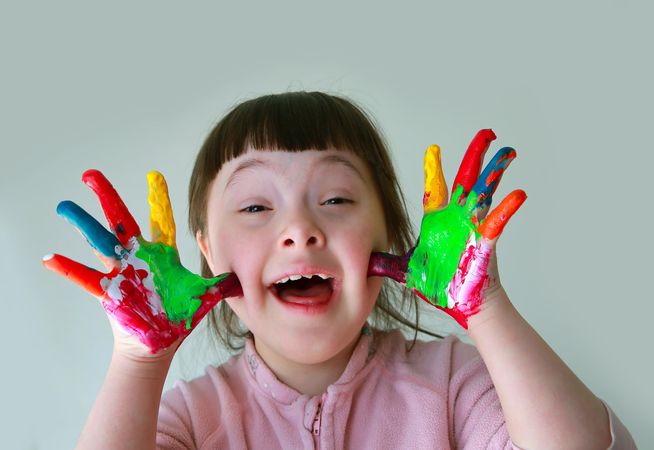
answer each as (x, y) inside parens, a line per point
(112, 286)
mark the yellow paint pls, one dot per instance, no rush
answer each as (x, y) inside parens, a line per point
(162, 223)
(435, 185)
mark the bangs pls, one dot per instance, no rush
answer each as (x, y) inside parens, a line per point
(293, 122)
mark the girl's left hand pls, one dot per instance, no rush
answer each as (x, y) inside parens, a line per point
(453, 264)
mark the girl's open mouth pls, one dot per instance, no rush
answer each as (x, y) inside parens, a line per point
(306, 294)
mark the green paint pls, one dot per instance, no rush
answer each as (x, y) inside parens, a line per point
(443, 236)
(178, 287)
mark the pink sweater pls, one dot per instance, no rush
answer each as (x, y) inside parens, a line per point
(439, 395)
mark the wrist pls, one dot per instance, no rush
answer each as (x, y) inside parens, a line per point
(151, 367)
(496, 307)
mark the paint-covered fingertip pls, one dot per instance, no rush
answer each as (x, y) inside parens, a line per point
(52, 262)
(487, 134)
(154, 175)
(96, 180)
(66, 207)
(507, 152)
(515, 200)
(520, 196)
(494, 224)
(91, 174)
(433, 148)
(157, 183)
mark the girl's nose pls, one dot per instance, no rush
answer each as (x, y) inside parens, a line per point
(300, 233)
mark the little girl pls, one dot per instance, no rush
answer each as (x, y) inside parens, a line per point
(298, 213)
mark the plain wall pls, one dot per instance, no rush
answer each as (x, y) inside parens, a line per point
(127, 87)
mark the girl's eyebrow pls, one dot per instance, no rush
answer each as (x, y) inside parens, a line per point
(338, 159)
(255, 162)
(248, 163)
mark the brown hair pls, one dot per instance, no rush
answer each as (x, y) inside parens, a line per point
(297, 121)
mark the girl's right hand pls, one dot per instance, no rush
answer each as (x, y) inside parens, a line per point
(152, 301)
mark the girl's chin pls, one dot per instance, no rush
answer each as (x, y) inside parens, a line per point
(311, 350)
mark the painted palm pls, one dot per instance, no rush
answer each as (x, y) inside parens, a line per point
(448, 267)
(147, 291)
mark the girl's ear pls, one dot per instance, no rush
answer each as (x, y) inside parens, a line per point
(203, 243)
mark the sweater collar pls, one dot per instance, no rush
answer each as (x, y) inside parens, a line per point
(260, 374)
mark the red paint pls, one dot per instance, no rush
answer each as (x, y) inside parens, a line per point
(387, 265)
(120, 219)
(454, 313)
(134, 313)
(494, 175)
(470, 167)
(228, 287)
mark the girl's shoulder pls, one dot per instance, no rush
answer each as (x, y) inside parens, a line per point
(434, 359)
(190, 410)
(217, 379)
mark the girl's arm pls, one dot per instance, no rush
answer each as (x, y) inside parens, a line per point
(545, 405)
(454, 268)
(152, 301)
(124, 415)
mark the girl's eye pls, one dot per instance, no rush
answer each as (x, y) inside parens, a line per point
(253, 209)
(336, 201)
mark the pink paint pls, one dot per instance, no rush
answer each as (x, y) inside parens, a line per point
(471, 277)
(465, 291)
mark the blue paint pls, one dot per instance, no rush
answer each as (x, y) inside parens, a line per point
(485, 185)
(97, 235)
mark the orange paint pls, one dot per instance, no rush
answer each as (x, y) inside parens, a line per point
(497, 219)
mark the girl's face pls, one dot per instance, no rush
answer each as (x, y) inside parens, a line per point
(274, 215)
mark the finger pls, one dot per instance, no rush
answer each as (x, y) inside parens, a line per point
(227, 285)
(435, 195)
(162, 222)
(109, 263)
(98, 236)
(120, 219)
(498, 217)
(471, 163)
(86, 277)
(490, 178)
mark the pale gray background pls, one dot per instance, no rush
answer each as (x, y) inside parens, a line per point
(127, 87)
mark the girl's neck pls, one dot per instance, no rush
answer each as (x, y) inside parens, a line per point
(308, 379)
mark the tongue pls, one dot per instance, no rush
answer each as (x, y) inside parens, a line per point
(306, 292)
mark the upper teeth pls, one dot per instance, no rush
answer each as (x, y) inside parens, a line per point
(297, 277)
